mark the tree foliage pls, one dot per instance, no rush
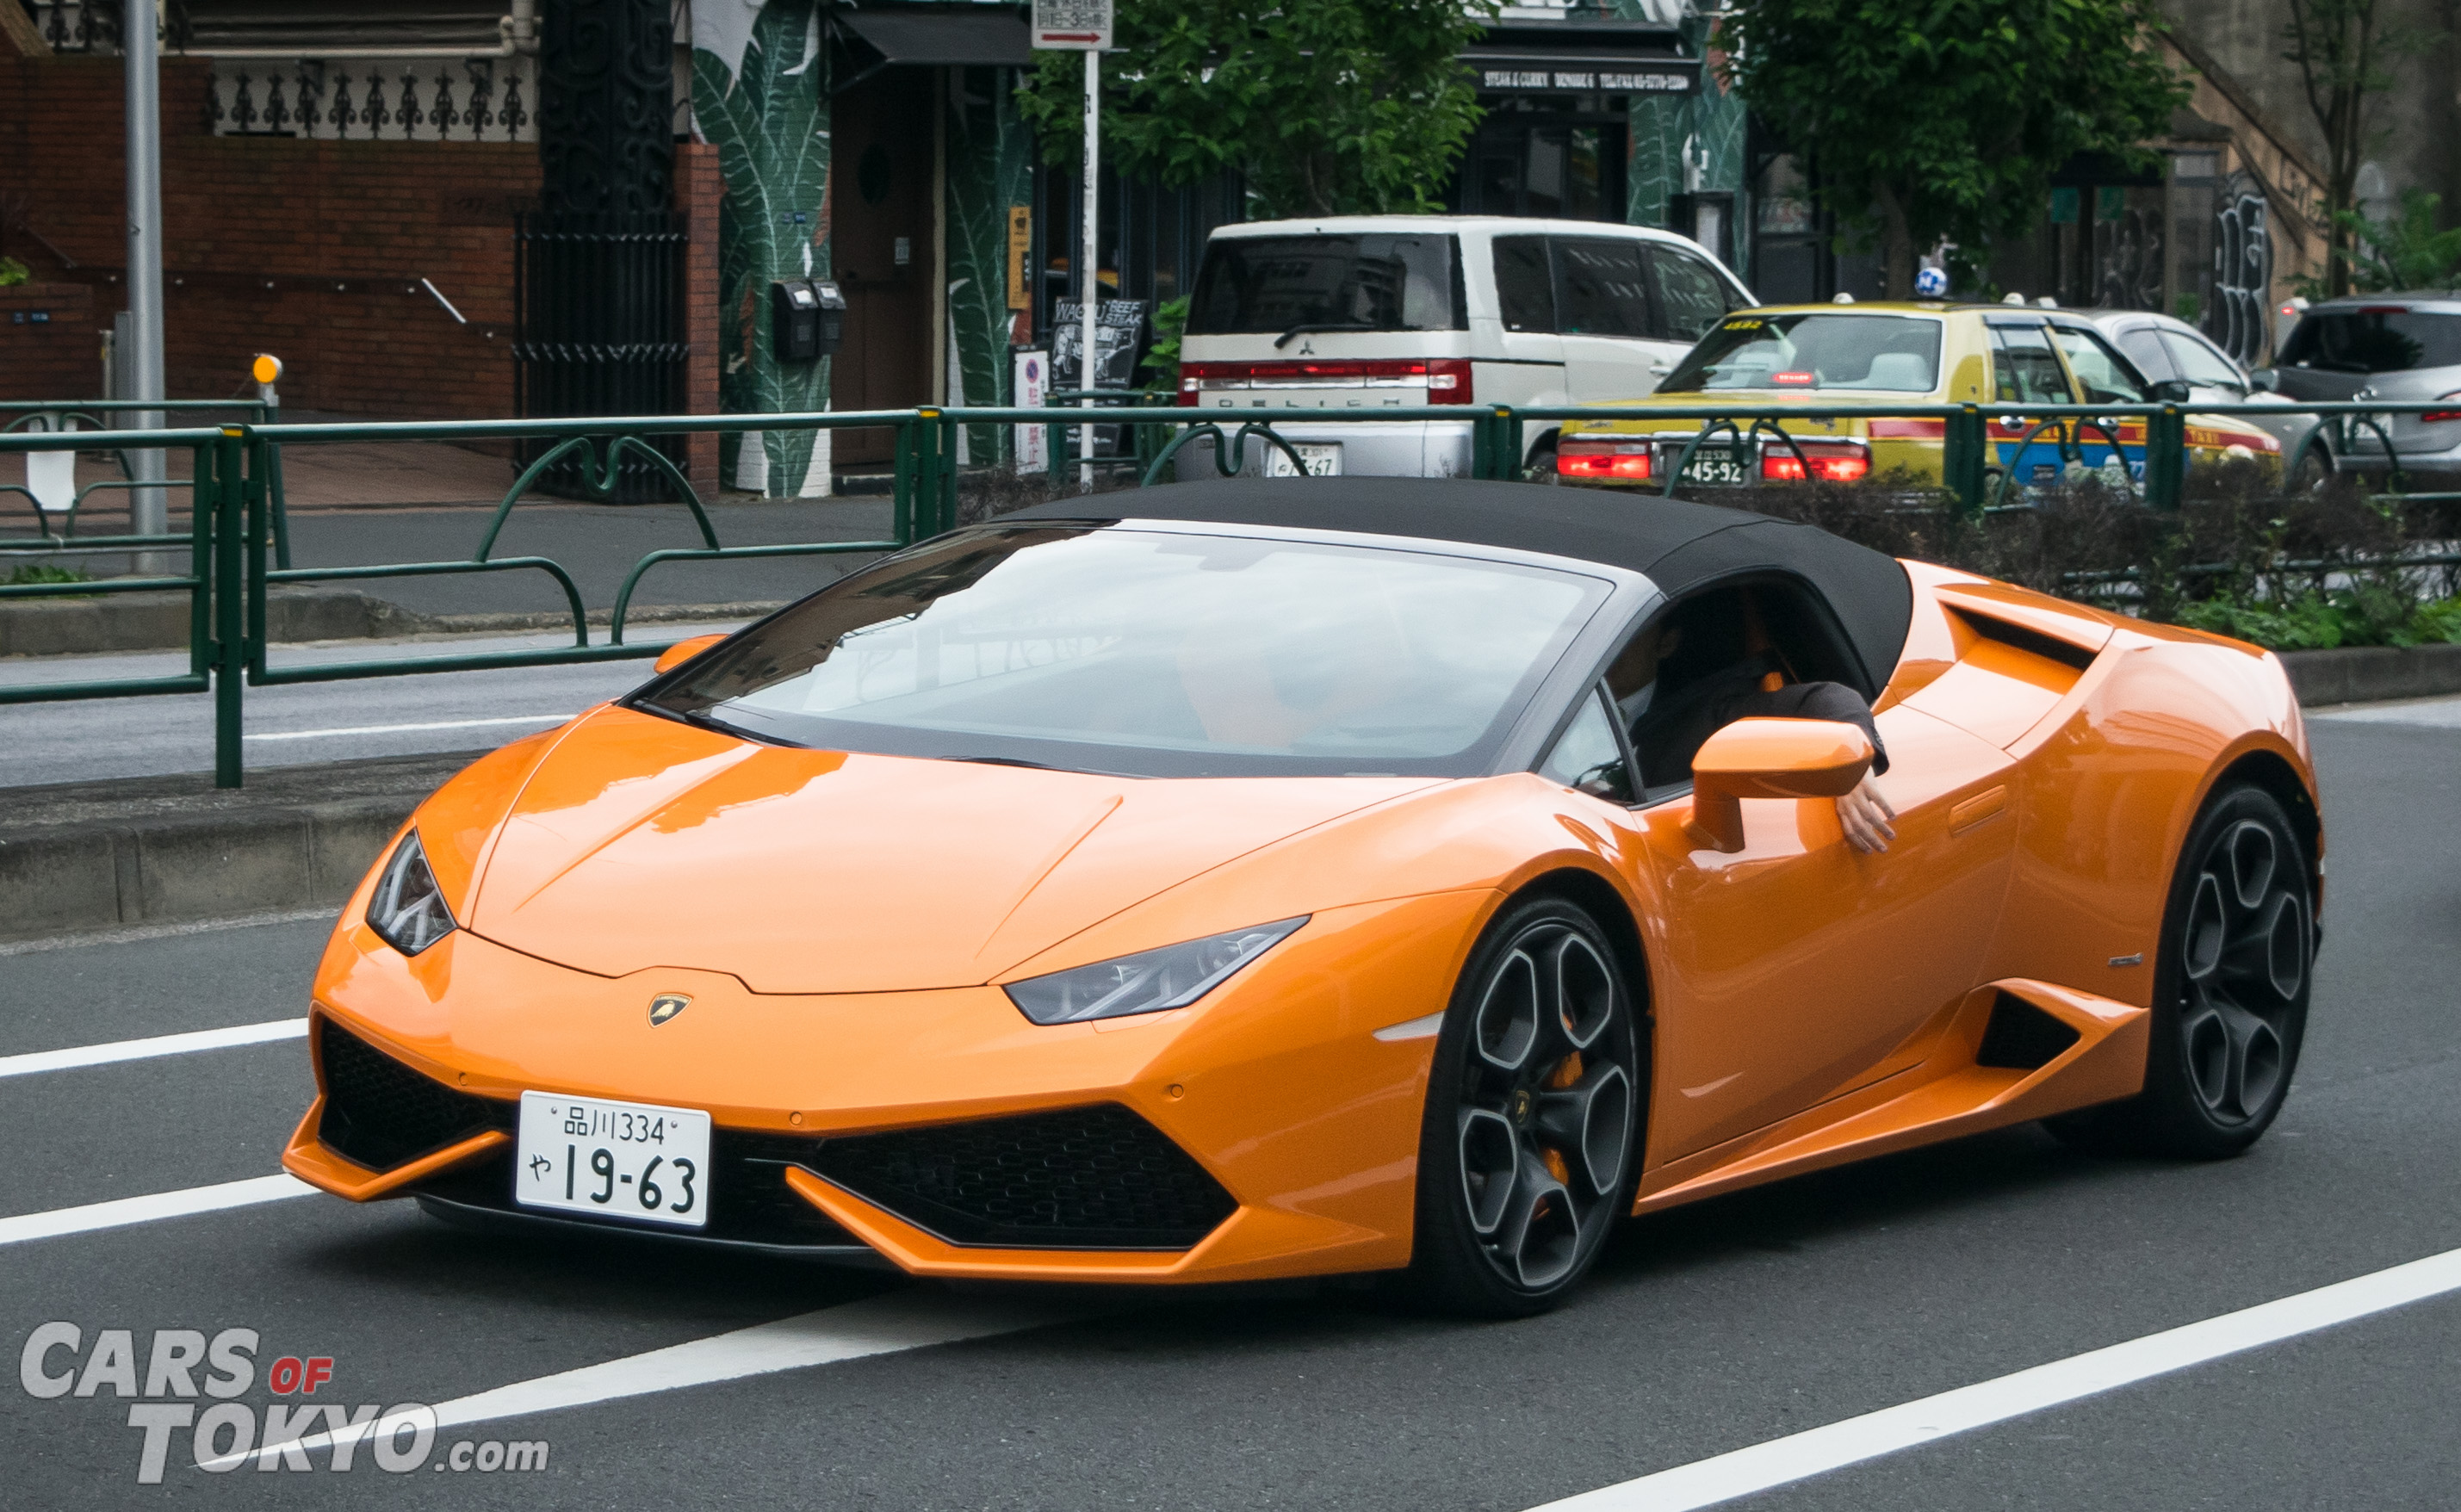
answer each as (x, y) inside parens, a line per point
(2343, 53)
(2405, 252)
(1330, 107)
(1945, 118)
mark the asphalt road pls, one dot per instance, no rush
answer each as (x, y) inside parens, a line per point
(304, 724)
(1707, 1329)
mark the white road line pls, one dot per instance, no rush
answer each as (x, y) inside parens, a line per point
(386, 730)
(35, 1062)
(912, 1319)
(1797, 1456)
(126, 1210)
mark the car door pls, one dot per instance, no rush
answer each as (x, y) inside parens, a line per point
(1797, 969)
(2212, 378)
(2025, 370)
(1603, 315)
(2104, 377)
(1531, 366)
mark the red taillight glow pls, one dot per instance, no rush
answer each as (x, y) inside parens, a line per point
(1830, 462)
(1574, 461)
(1448, 379)
(1793, 380)
(2433, 417)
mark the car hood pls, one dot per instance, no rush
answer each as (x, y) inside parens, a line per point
(639, 842)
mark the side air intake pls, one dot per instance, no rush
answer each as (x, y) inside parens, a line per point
(381, 1114)
(2022, 1037)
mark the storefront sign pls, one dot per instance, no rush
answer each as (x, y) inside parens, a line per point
(1560, 80)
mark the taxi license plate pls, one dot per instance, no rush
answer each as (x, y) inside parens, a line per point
(615, 1160)
(1718, 465)
(1323, 460)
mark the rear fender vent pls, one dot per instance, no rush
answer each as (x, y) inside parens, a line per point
(2049, 647)
(2023, 1037)
(381, 1114)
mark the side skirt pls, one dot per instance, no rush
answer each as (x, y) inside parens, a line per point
(2014, 1051)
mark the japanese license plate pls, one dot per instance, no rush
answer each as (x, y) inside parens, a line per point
(1719, 465)
(616, 1159)
(1323, 460)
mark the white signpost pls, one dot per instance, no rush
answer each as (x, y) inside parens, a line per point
(1083, 26)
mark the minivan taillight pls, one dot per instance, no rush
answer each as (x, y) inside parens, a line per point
(1446, 379)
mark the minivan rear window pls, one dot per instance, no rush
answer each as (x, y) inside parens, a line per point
(2386, 339)
(1280, 284)
(1897, 353)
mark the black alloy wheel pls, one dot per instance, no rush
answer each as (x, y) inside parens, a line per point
(1529, 1153)
(1541, 467)
(2231, 987)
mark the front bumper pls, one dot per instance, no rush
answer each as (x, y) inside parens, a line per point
(1263, 1132)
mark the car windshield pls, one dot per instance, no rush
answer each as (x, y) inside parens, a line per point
(1269, 285)
(2387, 338)
(1151, 653)
(1893, 353)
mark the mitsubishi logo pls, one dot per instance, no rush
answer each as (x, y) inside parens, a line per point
(666, 1006)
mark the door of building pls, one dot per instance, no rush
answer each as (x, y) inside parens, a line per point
(879, 202)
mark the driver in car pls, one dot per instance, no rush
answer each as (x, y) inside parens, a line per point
(1669, 724)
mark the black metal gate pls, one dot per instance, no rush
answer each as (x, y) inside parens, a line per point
(599, 314)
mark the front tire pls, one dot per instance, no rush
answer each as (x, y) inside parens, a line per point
(1529, 1150)
(2230, 984)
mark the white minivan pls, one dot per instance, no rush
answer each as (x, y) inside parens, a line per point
(1388, 312)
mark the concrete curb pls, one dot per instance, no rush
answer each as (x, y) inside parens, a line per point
(2359, 675)
(87, 856)
(151, 622)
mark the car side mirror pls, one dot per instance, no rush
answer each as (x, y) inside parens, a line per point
(1771, 758)
(2173, 391)
(684, 650)
(2265, 381)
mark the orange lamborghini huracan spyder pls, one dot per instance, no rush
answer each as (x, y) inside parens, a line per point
(1267, 878)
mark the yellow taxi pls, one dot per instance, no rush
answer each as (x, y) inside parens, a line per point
(1814, 357)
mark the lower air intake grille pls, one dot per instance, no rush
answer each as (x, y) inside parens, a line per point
(2022, 1037)
(379, 1113)
(1097, 1178)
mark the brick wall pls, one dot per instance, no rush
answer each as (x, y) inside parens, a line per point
(700, 186)
(50, 343)
(312, 250)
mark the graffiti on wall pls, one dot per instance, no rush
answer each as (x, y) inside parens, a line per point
(991, 170)
(2242, 270)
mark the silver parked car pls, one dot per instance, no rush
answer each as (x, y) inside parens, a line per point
(2163, 348)
(2404, 346)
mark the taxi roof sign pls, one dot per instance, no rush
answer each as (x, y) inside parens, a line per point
(1072, 26)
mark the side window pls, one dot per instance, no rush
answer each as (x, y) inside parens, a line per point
(2104, 375)
(2144, 348)
(1525, 288)
(1601, 290)
(1587, 757)
(2200, 364)
(1689, 292)
(2022, 369)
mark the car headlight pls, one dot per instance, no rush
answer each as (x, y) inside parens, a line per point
(408, 908)
(1148, 981)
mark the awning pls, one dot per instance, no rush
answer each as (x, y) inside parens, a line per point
(1573, 58)
(984, 36)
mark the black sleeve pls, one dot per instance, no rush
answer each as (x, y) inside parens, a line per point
(1813, 701)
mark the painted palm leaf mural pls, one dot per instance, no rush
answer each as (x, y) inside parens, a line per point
(759, 95)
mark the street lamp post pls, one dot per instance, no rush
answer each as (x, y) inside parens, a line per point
(142, 365)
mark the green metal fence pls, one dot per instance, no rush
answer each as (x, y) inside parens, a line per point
(235, 553)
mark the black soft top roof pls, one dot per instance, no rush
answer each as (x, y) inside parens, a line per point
(1677, 545)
